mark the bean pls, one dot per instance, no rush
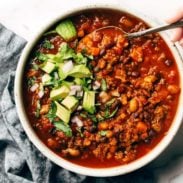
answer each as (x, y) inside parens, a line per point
(52, 143)
(133, 105)
(173, 89)
(103, 139)
(150, 79)
(109, 134)
(124, 99)
(141, 127)
(101, 64)
(44, 109)
(146, 115)
(86, 142)
(152, 133)
(103, 126)
(73, 152)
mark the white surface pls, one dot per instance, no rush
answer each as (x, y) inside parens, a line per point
(25, 17)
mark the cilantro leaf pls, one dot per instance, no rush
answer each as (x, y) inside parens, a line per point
(66, 52)
(31, 81)
(63, 127)
(81, 59)
(103, 133)
(48, 45)
(52, 112)
(41, 56)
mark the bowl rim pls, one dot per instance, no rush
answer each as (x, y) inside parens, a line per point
(97, 172)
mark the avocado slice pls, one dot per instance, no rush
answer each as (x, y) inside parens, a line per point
(70, 102)
(48, 67)
(78, 81)
(67, 30)
(89, 101)
(59, 93)
(46, 78)
(61, 73)
(80, 71)
(63, 113)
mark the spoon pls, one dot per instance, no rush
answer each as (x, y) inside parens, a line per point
(144, 32)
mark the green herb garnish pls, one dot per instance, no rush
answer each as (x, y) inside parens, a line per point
(31, 81)
(108, 115)
(104, 85)
(41, 56)
(52, 112)
(48, 45)
(63, 127)
(103, 133)
(113, 113)
(93, 118)
(110, 102)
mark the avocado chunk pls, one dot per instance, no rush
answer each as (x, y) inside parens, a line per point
(54, 57)
(59, 93)
(63, 113)
(61, 73)
(78, 81)
(80, 71)
(48, 67)
(67, 30)
(70, 102)
(89, 101)
(46, 78)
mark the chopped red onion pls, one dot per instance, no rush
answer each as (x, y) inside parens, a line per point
(68, 66)
(34, 87)
(56, 75)
(96, 85)
(41, 93)
(76, 87)
(76, 120)
(72, 92)
(79, 94)
(79, 108)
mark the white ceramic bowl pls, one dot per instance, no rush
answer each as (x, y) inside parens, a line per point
(99, 172)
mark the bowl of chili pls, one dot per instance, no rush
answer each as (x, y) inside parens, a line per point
(95, 102)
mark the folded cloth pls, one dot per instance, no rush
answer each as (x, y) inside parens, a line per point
(20, 161)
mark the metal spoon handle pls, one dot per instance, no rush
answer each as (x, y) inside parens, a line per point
(155, 29)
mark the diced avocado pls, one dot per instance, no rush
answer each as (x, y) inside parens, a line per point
(63, 113)
(80, 71)
(89, 101)
(67, 83)
(61, 73)
(70, 102)
(46, 78)
(59, 93)
(48, 67)
(64, 53)
(54, 57)
(78, 81)
(67, 30)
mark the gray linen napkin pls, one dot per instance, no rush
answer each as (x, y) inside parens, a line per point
(21, 162)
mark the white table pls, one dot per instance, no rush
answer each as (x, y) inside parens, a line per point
(26, 16)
